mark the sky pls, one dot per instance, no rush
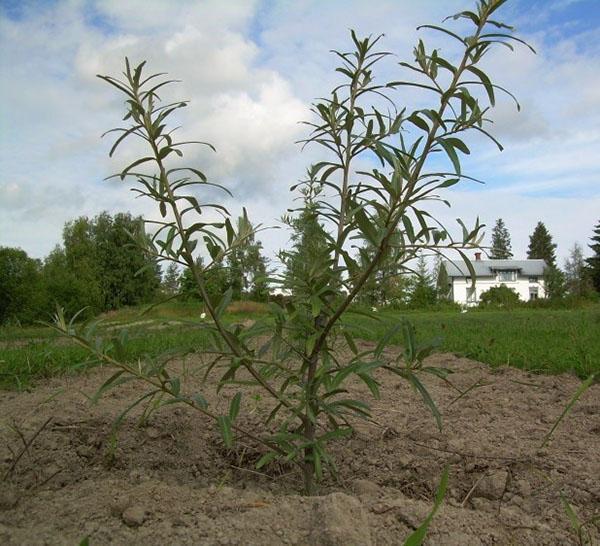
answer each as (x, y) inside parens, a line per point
(251, 69)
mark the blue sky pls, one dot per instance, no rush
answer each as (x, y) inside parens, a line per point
(251, 70)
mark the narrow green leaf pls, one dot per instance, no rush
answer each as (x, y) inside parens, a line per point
(224, 423)
(225, 301)
(451, 152)
(266, 459)
(234, 407)
(422, 390)
(418, 536)
(585, 385)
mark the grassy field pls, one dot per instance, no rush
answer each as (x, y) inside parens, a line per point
(539, 340)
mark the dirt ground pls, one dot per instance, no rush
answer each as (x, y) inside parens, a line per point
(171, 480)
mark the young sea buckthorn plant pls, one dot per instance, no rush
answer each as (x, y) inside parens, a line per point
(294, 358)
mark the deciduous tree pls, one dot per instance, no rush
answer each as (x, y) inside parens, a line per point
(577, 276)
(22, 297)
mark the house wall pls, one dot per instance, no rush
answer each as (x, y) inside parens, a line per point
(521, 286)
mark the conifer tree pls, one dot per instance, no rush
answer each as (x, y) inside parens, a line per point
(247, 266)
(501, 247)
(309, 241)
(442, 284)
(541, 246)
(593, 261)
(423, 292)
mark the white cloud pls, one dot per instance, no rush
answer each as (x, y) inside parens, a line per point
(250, 70)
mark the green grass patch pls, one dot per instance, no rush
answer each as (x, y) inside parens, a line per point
(539, 340)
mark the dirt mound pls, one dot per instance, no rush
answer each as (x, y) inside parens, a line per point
(171, 480)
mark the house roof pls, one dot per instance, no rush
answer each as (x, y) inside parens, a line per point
(487, 268)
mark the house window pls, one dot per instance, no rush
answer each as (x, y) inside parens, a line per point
(533, 293)
(507, 276)
(533, 279)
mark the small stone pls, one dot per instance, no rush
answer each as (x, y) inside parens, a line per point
(134, 516)
(381, 508)
(153, 433)
(524, 488)
(339, 519)
(483, 505)
(366, 488)
(85, 451)
(119, 505)
(492, 486)
(517, 500)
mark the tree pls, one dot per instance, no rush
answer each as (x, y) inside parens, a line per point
(112, 270)
(577, 278)
(442, 283)
(423, 292)
(217, 281)
(309, 253)
(68, 286)
(247, 266)
(541, 246)
(127, 275)
(390, 284)
(80, 262)
(593, 261)
(501, 247)
(22, 296)
(170, 280)
(554, 281)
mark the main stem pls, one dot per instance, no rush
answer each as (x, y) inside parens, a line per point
(312, 406)
(394, 217)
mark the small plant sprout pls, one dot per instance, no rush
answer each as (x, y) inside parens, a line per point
(382, 164)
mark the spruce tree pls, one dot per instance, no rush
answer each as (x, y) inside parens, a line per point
(423, 292)
(442, 284)
(309, 257)
(541, 246)
(247, 266)
(501, 247)
(593, 261)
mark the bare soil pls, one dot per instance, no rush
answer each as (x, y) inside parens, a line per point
(171, 481)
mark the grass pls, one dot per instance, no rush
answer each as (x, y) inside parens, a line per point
(539, 340)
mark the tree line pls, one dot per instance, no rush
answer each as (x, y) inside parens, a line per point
(579, 277)
(99, 267)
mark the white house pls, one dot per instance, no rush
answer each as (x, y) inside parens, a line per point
(525, 277)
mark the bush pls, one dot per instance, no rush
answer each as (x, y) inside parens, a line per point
(298, 365)
(502, 296)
